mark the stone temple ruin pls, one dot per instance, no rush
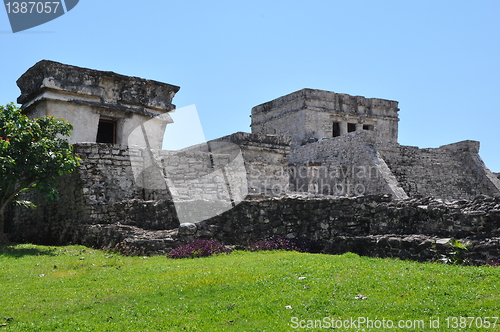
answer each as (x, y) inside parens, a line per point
(318, 164)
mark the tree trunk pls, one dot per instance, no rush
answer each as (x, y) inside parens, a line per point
(3, 238)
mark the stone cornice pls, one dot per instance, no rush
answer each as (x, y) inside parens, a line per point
(100, 88)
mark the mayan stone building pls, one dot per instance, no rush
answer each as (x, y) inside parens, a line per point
(312, 144)
(312, 141)
(347, 145)
(104, 107)
(309, 114)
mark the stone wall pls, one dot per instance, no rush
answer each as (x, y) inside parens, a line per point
(321, 218)
(123, 195)
(452, 171)
(105, 189)
(372, 225)
(347, 165)
(417, 247)
(418, 229)
(265, 160)
(193, 175)
(118, 184)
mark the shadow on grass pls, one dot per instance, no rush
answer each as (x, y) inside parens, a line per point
(18, 251)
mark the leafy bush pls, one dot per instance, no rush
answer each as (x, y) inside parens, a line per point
(277, 242)
(199, 248)
(33, 153)
(457, 252)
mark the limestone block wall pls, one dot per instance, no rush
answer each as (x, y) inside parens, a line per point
(195, 174)
(322, 218)
(373, 225)
(103, 179)
(265, 160)
(122, 194)
(106, 189)
(51, 222)
(452, 171)
(286, 122)
(116, 173)
(131, 186)
(215, 180)
(347, 165)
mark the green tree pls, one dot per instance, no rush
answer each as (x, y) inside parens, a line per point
(33, 153)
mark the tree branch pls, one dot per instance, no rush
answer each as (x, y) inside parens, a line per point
(14, 194)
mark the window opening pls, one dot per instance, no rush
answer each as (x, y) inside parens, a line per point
(351, 127)
(106, 132)
(367, 127)
(336, 129)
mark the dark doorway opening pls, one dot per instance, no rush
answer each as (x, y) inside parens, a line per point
(336, 129)
(351, 127)
(106, 132)
(367, 127)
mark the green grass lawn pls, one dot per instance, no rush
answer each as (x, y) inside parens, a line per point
(81, 289)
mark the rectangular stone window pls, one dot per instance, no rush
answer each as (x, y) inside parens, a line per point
(106, 131)
(351, 127)
(367, 127)
(336, 129)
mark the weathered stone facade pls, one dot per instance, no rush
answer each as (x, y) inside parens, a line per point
(406, 228)
(265, 160)
(451, 171)
(363, 156)
(295, 145)
(103, 106)
(319, 165)
(349, 165)
(310, 114)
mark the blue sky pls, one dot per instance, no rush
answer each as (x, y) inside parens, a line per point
(439, 59)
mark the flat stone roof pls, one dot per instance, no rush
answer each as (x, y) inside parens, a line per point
(330, 101)
(105, 87)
